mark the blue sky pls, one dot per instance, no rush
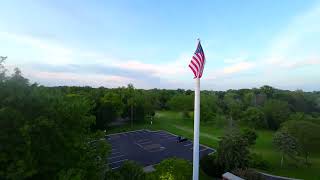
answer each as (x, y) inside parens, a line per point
(149, 43)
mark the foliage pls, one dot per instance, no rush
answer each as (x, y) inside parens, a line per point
(128, 171)
(257, 161)
(286, 144)
(254, 117)
(233, 151)
(181, 103)
(109, 108)
(46, 134)
(211, 166)
(208, 107)
(173, 169)
(306, 135)
(276, 112)
(233, 104)
(250, 135)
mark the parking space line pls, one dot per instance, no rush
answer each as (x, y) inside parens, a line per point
(115, 167)
(115, 152)
(203, 149)
(118, 161)
(139, 145)
(116, 156)
(145, 142)
(188, 144)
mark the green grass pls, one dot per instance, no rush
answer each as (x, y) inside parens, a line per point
(209, 135)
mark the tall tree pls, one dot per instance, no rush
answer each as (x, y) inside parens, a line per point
(276, 112)
(286, 144)
(307, 135)
(233, 151)
(254, 118)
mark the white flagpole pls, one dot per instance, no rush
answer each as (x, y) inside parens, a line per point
(196, 130)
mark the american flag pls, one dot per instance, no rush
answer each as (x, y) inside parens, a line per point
(197, 62)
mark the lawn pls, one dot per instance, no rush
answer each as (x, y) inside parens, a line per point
(209, 135)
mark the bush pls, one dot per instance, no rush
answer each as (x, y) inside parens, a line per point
(250, 135)
(233, 151)
(128, 171)
(210, 166)
(173, 168)
(248, 174)
(131, 170)
(257, 161)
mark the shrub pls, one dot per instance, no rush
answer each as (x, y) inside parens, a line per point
(173, 169)
(250, 135)
(210, 166)
(131, 171)
(233, 151)
(257, 161)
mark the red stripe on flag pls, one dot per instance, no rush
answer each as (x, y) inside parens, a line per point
(194, 72)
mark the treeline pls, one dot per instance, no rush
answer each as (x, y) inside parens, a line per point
(264, 107)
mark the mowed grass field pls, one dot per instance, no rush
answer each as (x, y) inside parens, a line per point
(209, 135)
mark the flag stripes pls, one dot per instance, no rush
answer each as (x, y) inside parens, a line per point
(197, 62)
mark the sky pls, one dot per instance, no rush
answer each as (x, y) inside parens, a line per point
(150, 43)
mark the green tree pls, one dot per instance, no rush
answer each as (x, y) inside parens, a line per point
(173, 169)
(249, 99)
(108, 109)
(250, 135)
(46, 135)
(182, 103)
(234, 106)
(208, 107)
(254, 118)
(233, 151)
(286, 144)
(268, 90)
(276, 112)
(131, 171)
(307, 136)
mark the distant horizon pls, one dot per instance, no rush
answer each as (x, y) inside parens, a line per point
(150, 44)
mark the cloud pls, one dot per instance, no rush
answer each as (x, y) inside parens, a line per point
(70, 79)
(53, 59)
(238, 67)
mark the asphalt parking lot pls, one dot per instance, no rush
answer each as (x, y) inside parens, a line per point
(149, 147)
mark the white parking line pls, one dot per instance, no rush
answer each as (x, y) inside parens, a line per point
(116, 156)
(115, 153)
(203, 149)
(115, 167)
(118, 161)
(147, 142)
(187, 144)
(139, 145)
